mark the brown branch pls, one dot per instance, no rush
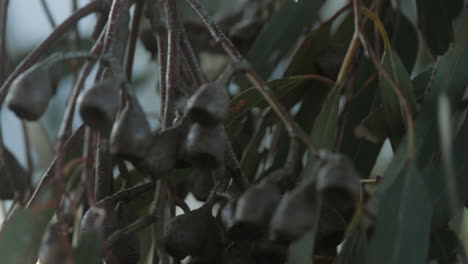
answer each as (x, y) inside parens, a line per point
(131, 228)
(134, 29)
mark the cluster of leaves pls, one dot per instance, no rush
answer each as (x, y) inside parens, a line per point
(284, 168)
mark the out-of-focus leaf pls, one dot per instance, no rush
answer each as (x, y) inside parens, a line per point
(88, 250)
(251, 159)
(21, 235)
(280, 34)
(303, 61)
(450, 77)
(445, 246)
(324, 130)
(437, 184)
(251, 98)
(391, 104)
(403, 223)
(403, 36)
(435, 21)
(302, 250)
(420, 83)
(354, 250)
(364, 100)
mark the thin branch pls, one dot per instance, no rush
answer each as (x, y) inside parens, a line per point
(162, 55)
(293, 128)
(138, 224)
(28, 151)
(172, 74)
(130, 193)
(3, 26)
(134, 29)
(49, 15)
(55, 36)
(48, 176)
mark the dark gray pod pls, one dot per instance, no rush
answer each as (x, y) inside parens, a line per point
(195, 234)
(127, 248)
(209, 105)
(255, 208)
(162, 153)
(12, 177)
(295, 213)
(31, 92)
(339, 184)
(204, 146)
(99, 105)
(201, 183)
(131, 134)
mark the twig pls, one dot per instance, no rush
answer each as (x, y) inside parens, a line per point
(162, 55)
(27, 150)
(50, 18)
(131, 228)
(48, 176)
(191, 59)
(87, 174)
(172, 74)
(130, 193)
(55, 36)
(293, 128)
(3, 26)
(137, 13)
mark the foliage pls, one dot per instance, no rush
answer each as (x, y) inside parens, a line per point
(286, 143)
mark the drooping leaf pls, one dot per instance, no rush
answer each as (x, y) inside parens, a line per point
(403, 36)
(88, 249)
(445, 246)
(435, 21)
(280, 34)
(21, 235)
(354, 250)
(449, 76)
(394, 115)
(403, 224)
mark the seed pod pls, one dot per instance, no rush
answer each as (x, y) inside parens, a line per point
(339, 184)
(204, 146)
(162, 153)
(195, 234)
(131, 134)
(237, 255)
(13, 177)
(295, 213)
(255, 208)
(201, 183)
(98, 106)
(31, 92)
(209, 105)
(127, 248)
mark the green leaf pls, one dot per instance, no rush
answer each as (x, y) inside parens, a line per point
(403, 36)
(450, 77)
(363, 103)
(325, 127)
(445, 246)
(391, 104)
(435, 22)
(403, 223)
(281, 32)
(89, 248)
(354, 250)
(251, 98)
(21, 235)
